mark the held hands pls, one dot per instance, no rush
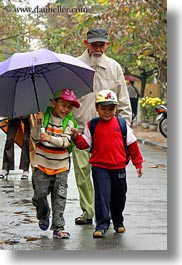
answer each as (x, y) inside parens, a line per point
(139, 172)
(75, 133)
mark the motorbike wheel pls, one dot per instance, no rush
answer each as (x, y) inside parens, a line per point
(163, 126)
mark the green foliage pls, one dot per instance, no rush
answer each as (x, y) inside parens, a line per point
(13, 35)
(137, 29)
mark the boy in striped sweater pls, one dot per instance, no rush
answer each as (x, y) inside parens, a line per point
(51, 162)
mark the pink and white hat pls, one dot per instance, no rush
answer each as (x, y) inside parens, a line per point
(68, 95)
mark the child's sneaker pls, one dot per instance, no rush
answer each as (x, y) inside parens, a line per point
(120, 229)
(99, 234)
(61, 235)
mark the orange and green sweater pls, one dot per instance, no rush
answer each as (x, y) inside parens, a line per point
(52, 157)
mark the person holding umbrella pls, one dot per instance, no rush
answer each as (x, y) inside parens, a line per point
(108, 75)
(51, 162)
(8, 155)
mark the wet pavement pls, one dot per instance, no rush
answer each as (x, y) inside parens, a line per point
(153, 138)
(145, 213)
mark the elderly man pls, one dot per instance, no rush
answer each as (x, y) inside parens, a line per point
(108, 75)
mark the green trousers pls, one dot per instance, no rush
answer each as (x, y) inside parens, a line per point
(83, 180)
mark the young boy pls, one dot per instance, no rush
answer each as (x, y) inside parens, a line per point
(51, 162)
(108, 160)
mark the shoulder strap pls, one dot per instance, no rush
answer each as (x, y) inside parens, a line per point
(93, 124)
(122, 123)
(123, 127)
(65, 124)
(136, 90)
(47, 115)
(67, 118)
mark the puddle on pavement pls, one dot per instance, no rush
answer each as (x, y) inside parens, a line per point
(22, 201)
(32, 238)
(17, 241)
(28, 221)
(10, 242)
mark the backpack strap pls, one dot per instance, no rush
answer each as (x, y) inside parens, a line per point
(136, 90)
(66, 119)
(47, 115)
(93, 124)
(123, 127)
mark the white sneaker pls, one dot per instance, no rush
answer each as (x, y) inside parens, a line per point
(25, 175)
(3, 174)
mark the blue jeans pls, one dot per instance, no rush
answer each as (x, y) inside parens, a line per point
(110, 196)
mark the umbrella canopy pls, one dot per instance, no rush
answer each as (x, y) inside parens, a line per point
(28, 80)
(131, 78)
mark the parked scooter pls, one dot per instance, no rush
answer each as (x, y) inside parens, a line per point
(162, 119)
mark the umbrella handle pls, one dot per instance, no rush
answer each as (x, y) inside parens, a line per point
(36, 96)
(42, 129)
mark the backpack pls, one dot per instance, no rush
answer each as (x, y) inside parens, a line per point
(123, 127)
(64, 125)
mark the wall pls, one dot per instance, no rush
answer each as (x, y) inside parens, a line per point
(151, 90)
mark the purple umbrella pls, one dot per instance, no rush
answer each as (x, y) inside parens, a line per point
(28, 80)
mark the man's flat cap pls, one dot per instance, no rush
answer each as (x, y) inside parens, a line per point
(94, 35)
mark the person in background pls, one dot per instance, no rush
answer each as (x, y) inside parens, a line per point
(109, 159)
(51, 161)
(8, 155)
(134, 96)
(108, 75)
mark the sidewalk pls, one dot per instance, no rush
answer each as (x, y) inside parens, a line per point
(149, 137)
(145, 213)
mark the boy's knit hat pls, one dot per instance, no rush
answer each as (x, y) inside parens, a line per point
(106, 97)
(68, 95)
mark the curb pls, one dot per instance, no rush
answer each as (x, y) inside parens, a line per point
(147, 142)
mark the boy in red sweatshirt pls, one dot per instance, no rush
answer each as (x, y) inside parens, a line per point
(109, 160)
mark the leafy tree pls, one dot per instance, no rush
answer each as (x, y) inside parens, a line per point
(13, 30)
(138, 31)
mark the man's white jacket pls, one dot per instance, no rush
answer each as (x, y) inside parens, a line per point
(108, 75)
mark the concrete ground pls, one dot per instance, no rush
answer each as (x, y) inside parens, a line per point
(149, 137)
(145, 212)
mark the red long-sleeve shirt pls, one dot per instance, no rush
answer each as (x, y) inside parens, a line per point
(108, 151)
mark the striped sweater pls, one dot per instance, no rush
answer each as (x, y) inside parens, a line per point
(53, 155)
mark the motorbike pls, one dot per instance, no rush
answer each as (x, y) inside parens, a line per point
(162, 119)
